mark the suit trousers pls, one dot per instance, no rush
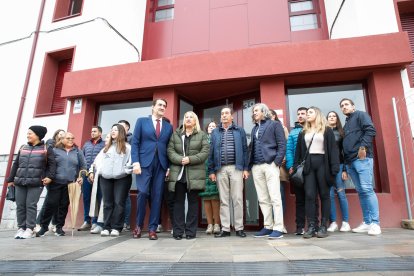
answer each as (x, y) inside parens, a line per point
(150, 185)
(267, 182)
(230, 185)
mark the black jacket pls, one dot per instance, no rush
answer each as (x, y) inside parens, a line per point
(32, 164)
(359, 132)
(331, 155)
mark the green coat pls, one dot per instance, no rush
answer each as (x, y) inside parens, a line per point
(197, 151)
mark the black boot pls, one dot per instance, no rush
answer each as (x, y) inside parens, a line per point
(310, 232)
(322, 232)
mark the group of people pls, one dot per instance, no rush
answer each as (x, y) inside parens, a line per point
(189, 163)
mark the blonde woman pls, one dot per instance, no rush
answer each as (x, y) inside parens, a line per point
(188, 150)
(321, 167)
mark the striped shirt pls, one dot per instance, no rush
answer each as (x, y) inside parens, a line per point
(227, 147)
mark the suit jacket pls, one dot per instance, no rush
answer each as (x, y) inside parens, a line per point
(145, 144)
(273, 143)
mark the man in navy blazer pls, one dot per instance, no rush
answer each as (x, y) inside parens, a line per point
(150, 164)
(267, 153)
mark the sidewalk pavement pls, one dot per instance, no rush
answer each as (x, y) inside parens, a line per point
(391, 253)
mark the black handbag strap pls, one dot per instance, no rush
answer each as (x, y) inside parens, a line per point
(307, 151)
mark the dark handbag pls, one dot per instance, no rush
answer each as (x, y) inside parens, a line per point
(297, 175)
(11, 193)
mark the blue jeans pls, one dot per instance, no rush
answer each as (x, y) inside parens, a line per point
(343, 202)
(87, 191)
(361, 172)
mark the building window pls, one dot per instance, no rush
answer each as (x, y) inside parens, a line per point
(327, 99)
(67, 8)
(49, 100)
(303, 15)
(164, 10)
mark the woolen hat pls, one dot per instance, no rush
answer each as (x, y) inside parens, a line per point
(40, 131)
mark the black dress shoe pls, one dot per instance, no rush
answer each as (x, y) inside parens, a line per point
(179, 237)
(188, 237)
(240, 234)
(222, 234)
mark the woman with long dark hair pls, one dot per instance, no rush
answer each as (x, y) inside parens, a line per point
(335, 123)
(114, 180)
(321, 167)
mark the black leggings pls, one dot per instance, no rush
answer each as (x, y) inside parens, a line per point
(315, 182)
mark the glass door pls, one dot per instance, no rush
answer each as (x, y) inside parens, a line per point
(242, 116)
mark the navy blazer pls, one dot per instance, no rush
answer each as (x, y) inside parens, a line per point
(145, 143)
(273, 143)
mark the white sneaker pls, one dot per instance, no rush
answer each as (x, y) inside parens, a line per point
(159, 229)
(37, 228)
(96, 230)
(374, 230)
(53, 228)
(216, 229)
(209, 230)
(93, 226)
(19, 233)
(114, 233)
(28, 234)
(362, 228)
(333, 227)
(345, 227)
(105, 233)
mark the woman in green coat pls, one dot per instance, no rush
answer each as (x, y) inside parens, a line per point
(211, 197)
(188, 150)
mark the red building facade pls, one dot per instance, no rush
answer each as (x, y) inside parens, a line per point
(234, 51)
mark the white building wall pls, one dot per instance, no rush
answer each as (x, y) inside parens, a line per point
(96, 45)
(368, 17)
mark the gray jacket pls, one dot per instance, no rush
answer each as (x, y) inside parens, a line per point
(68, 165)
(112, 164)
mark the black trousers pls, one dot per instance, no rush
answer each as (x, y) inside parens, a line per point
(114, 193)
(182, 224)
(315, 183)
(57, 202)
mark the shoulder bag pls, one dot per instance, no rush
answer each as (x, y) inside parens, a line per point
(297, 174)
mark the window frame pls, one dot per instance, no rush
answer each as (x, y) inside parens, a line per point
(160, 8)
(63, 10)
(316, 11)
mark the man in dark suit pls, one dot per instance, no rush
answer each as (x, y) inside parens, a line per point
(150, 164)
(268, 150)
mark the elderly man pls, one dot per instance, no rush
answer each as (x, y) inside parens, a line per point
(228, 165)
(268, 150)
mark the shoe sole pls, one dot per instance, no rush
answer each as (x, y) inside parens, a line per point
(275, 238)
(264, 236)
(360, 231)
(374, 234)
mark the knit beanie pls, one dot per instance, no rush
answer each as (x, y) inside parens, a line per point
(40, 131)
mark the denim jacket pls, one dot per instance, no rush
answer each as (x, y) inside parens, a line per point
(240, 144)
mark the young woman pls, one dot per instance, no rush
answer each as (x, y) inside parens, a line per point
(69, 161)
(188, 151)
(114, 180)
(211, 197)
(339, 187)
(321, 167)
(33, 167)
(57, 136)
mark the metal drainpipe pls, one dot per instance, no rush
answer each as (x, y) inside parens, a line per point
(21, 107)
